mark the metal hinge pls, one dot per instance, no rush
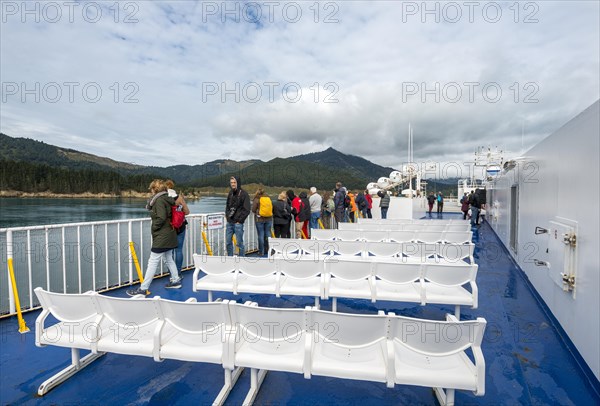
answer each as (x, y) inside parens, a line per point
(570, 239)
(568, 282)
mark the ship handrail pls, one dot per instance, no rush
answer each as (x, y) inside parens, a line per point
(95, 255)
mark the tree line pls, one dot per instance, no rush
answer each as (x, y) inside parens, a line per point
(35, 178)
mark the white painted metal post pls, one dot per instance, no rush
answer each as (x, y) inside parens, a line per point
(130, 239)
(9, 255)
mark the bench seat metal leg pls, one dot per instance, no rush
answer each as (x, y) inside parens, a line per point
(231, 378)
(334, 304)
(77, 364)
(256, 379)
(457, 311)
(446, 398)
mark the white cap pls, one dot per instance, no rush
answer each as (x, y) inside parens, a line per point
(313, 190)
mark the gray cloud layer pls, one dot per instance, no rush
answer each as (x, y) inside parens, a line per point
(376, 62)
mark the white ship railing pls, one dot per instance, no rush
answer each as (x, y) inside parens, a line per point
(78, 257)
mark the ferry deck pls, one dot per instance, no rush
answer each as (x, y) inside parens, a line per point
(529, 358)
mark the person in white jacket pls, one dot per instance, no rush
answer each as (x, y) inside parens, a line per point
(315, 200)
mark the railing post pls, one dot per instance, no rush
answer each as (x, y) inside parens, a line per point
(9, 257)
(14, 293)
(130, 238)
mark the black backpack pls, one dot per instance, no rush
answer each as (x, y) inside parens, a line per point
(347, 201)
(304, 214)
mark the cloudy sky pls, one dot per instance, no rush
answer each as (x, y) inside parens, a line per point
(162, 83)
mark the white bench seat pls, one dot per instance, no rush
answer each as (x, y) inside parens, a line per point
(399, 236)
(128, 325)
(221, 283)
(186, 325)
(451, 371)
(371, 347)
(350, 346)
(269, 338)
(400, 279)
(77, 317)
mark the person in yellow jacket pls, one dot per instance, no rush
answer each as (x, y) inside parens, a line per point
(352, 209)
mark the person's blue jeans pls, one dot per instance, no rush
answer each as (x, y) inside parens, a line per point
(178, 252)
(384, 212)
(314, 220)
(263, 229)
(474, 213)
(238, 230)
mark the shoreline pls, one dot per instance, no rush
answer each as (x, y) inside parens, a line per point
(196, 194)
(50, 195)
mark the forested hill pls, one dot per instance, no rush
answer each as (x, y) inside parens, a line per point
(33, 166)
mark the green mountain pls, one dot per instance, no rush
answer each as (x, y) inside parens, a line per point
(38, 152)
(357, 166)
(52, 168)
(288, 172)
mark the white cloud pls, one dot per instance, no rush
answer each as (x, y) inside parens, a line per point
(370, 57)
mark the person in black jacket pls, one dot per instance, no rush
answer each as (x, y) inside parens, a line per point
(282, 216)
(237, 210)
(475, 207)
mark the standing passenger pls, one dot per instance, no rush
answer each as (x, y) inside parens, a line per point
(237, 210)
(181, 206)
(328, 209)
(262, 207)
(290, 199)
(440, 203)
(338, 200)
(352, 209)
(282, 216)
(464, 205)
(304, 213)
(369, 200)
(361, 204)
(315, 200)
(164, 239)
(430, 202)
(384, 203)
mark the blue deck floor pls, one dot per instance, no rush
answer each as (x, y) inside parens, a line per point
(528, 360)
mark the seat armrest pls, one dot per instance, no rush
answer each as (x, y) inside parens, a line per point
(195, 279)
(391, 363)
(235, 281)
(278, 283)
(372, 286)
(39, 327)
(474, 293)
(158, 341)
(480, 368)
(326, 281)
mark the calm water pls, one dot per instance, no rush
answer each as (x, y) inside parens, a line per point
(17, 212)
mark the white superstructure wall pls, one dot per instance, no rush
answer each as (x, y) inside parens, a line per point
(557, 183)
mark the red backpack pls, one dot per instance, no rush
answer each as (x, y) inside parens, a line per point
(177, 217)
